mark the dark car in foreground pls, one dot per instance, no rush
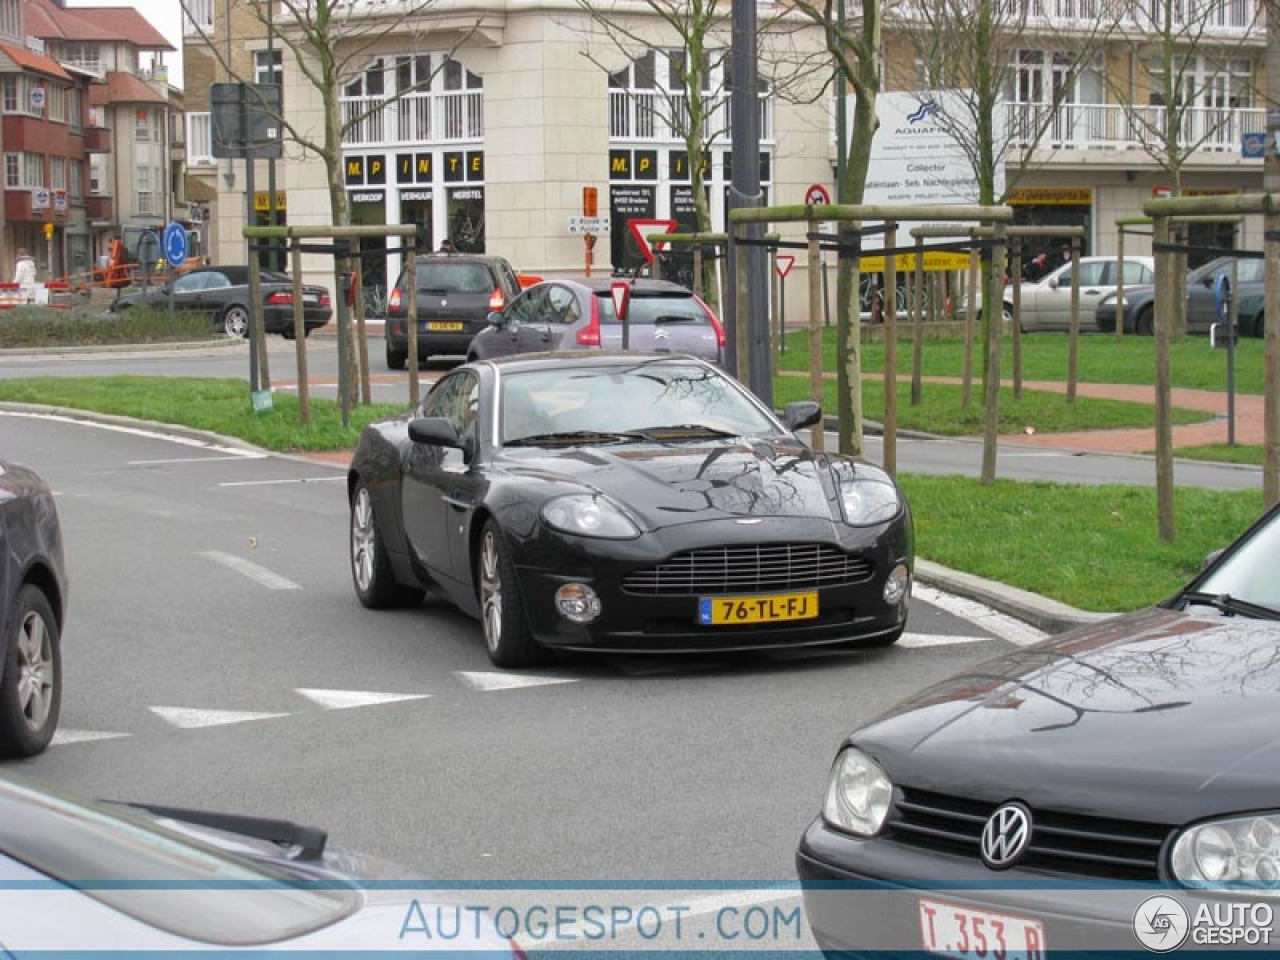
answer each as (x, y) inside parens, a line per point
(625, 502)
(82, 877)
(456, 292)
(223, 293)
(33, 600)
(579, 314)
(1202, 313)
(1034, 803)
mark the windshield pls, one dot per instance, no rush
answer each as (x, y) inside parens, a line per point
(453, 276)
(610, 401)
(158, 876)
(1252, 572)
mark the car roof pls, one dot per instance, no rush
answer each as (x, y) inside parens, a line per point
(462, 257)
(518, 362)
(602, 285)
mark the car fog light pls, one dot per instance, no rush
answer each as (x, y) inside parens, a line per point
(577, 603)
(897, 586)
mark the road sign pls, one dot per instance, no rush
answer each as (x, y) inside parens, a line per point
(175, 244)
(1253, 146)
(817, 196)
(640, 229)
(783, 263)
(595, 225)
(620, 290)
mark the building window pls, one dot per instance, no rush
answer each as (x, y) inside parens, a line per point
(58, 173)
(146, 199)
(86, 56)
(142, 126)
(199, 140)
(33, 170)
(197, 17)
(11, 19)
(57, 103)
(75, 108)
(12, 172)
(75, 181)
(11, 90)
(268, 66)
(98, 175)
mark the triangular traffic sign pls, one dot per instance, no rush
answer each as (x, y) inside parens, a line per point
(640, 229)
(783, 263)
(620, 290)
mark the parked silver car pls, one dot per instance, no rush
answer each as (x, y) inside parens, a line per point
(578, 314)
(1046, 304)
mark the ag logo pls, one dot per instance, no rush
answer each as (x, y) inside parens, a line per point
(1161, 923)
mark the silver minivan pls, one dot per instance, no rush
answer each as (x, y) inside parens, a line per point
(578, 314)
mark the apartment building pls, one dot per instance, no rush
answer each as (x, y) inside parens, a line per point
(483, 125)
(87, 131)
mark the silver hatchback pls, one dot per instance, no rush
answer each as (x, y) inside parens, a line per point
(578, 314)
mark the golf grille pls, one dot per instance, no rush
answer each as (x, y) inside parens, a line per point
(750, 568)
(1060, 842)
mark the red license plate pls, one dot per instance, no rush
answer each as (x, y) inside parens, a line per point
(968, 934)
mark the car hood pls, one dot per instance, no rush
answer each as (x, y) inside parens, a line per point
(670, 483)
(1103, 719)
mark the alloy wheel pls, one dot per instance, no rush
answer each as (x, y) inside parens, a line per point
(35, 671)
(491, 590)
(363, 539)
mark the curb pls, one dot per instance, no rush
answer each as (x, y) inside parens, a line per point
(223, 342)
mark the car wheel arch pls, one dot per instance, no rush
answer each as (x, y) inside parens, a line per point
(40, 576)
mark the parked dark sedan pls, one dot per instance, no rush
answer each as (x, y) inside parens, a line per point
(578, 314)
(1033, 804)
(33, 600)
(1139, 302)
(456, 293)
(82, 877)
(625, 502)
(223, 293)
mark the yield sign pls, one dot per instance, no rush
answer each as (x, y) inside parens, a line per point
(620, 290)
(642, 228)
(783, 263)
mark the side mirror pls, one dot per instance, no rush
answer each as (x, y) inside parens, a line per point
(439, 432)
(1055, 282)
(801, 413)
(495, 319)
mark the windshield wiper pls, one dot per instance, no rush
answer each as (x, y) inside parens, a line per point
(680, 431)
(1230, 605)
(675, 318)
(568, 437)
(310, 841)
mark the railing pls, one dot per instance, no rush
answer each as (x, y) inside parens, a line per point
(454, 115)
(1215, 16)
(663, 117)
(1077, 126)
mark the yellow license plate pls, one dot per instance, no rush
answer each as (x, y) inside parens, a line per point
(450, 326)
(766, 608)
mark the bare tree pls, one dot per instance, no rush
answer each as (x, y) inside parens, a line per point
(692, 99)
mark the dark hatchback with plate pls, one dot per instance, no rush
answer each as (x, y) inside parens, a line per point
(1036, 802)
(625, 502)
(456, 293)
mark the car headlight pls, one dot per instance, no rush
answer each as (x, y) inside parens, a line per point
(1242, 852)
(859, 795)
(589, 515)
(869, 497)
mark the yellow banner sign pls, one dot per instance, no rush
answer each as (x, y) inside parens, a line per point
(1050, 197)
(260, 204)
(906, 262)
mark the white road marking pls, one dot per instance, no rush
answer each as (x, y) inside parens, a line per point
(346, 699)
(980, 615)
(935, 640)
(259, 574)
(64, 736)
(140, 432)
(151, 463)
(489, 682)
(191, 718)
(268, 483)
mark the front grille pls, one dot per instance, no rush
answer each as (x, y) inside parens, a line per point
(1060, 842)
(755, 568)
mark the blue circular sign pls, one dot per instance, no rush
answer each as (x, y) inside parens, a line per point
(175, 244)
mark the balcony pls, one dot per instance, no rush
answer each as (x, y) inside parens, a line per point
(1109, 126)
(97, 140)
(650, 116)
(445, 117)
(99, 209)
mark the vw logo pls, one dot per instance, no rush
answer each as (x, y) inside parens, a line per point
(1005, 836)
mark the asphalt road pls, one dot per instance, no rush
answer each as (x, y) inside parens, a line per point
(216, 657)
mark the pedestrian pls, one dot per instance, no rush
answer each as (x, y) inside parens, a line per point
(24, 274)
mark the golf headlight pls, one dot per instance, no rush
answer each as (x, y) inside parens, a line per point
(1243, 852)
(869, 498)
(589, 515)
(859, 795)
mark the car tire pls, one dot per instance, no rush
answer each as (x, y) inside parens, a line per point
(396, 359)
(375, 584)
(1144, 322)
(235, 321)
(507, 637)
(31, 685)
